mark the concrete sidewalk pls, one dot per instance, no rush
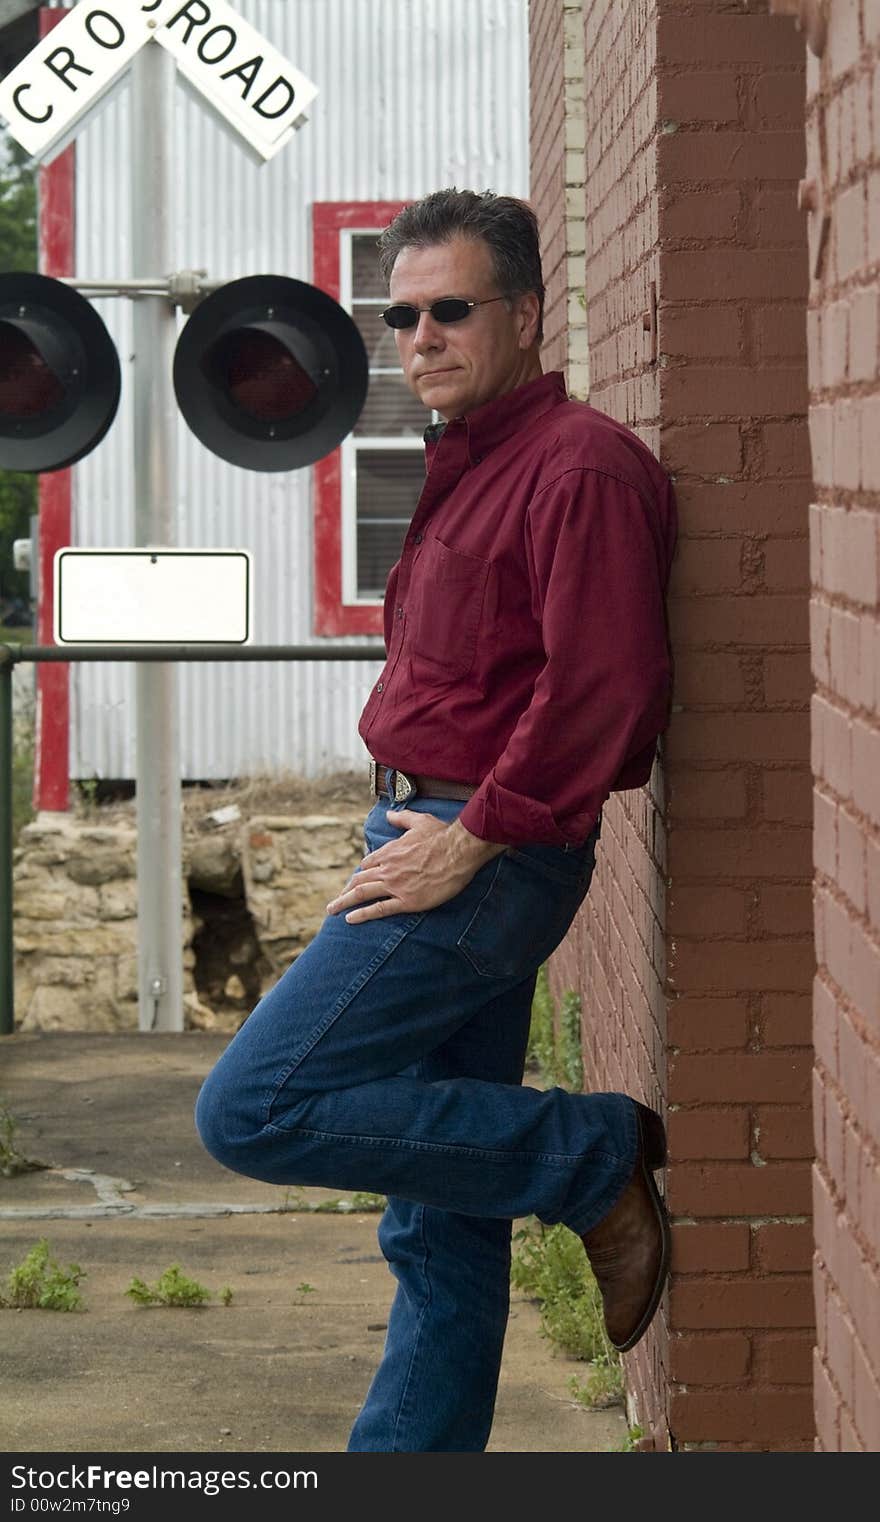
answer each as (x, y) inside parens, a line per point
(130, 1191)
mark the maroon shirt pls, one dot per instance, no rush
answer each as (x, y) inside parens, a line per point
(525, 622)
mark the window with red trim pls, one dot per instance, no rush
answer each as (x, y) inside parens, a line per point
(366, 490)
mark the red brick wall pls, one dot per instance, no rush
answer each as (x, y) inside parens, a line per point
(694, 953)
(547, 170)
(733, 285)
(843, 138)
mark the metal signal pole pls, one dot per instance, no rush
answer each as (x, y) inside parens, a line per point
(159, 843)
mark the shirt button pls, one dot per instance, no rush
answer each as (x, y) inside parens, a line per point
(417, 538)
(399, 610)
(379, 686)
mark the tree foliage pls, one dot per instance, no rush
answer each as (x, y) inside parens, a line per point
(18, 251)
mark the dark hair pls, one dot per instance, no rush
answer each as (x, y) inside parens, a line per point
(508, 226)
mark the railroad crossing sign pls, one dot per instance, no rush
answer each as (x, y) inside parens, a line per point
(251, 88)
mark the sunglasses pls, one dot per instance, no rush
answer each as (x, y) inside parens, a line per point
(448, 309)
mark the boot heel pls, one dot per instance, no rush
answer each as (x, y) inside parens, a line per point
(653, 1135)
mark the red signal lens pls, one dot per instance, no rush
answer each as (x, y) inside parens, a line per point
(28, 387)
(261, 376)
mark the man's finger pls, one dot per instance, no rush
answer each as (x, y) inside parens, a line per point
(375, 910)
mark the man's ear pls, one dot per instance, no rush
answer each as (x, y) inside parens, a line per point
(529, 313)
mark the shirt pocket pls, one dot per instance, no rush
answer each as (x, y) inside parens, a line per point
(452, 586)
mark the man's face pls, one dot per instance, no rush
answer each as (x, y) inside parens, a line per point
(457, 366)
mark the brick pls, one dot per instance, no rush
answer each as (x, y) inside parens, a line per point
(788, 678)
(784, 1131)
(839, 1350)
(849, 231)
(739, 1078)
(706, 1248)
(852, 1058)
(702, 332)
(820, 637)
(786, 564)
(728, 38)
(712, 677)
(832, 745)
(785, 451)
(869, 472)
(786, 1019)
(852, 860)
(866, 768)
(696, 97)
(780, 331)
(827, 1408)
(835, 344)
(844, 46)
(723, 390)
(738, 1189)
(786, 909)
(715, 1359)
(709, 1132)
(787, 794)
(825, 1025)
(751, 274)
(765, 506)
(714, 156)
(865, 335)
(780, 97)
(743, 736)
(867, 1402)
(706, 911)
(849, 1438)
(873, 879)
(703, 448)
(741, 965)
(716, 793)
(783, 1358)
(846, 445)
(851, 672)
(765, 1417)
(780, 222)
(778, 1301)
(757, 853)
(708, 1025)
(753, 620)
(784, 1247)
(710, 565)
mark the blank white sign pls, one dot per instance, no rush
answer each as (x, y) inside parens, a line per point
(152, 596)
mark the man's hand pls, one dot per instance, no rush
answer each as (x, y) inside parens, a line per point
(430, 863)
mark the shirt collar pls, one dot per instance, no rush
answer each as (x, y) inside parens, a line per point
(494, 422)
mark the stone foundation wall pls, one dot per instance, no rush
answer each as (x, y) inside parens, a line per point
(255, 890)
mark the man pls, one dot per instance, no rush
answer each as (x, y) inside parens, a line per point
(527, 676)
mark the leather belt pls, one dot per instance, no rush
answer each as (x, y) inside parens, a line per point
(405, 785)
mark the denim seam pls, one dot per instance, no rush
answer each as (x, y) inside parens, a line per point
(419, 1326)
(344, 999)
(443, 1147)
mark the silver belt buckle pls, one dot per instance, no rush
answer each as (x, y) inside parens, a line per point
(372, 776)
(403, 787)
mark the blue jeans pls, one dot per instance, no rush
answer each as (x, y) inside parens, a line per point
(389, 1057)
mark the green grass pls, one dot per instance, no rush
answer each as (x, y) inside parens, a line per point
(172, 1288)
(39, 1284)
(550, 1266)
(554, 1045)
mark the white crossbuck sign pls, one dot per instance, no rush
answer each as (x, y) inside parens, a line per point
(248, 83)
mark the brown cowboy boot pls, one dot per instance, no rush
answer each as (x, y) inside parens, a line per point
(629, 1249)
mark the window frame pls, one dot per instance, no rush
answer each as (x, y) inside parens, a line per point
(336, 610)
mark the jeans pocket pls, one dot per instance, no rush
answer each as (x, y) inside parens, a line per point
(525, 912)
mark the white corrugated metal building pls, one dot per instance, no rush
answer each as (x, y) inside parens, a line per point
(414, 95)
